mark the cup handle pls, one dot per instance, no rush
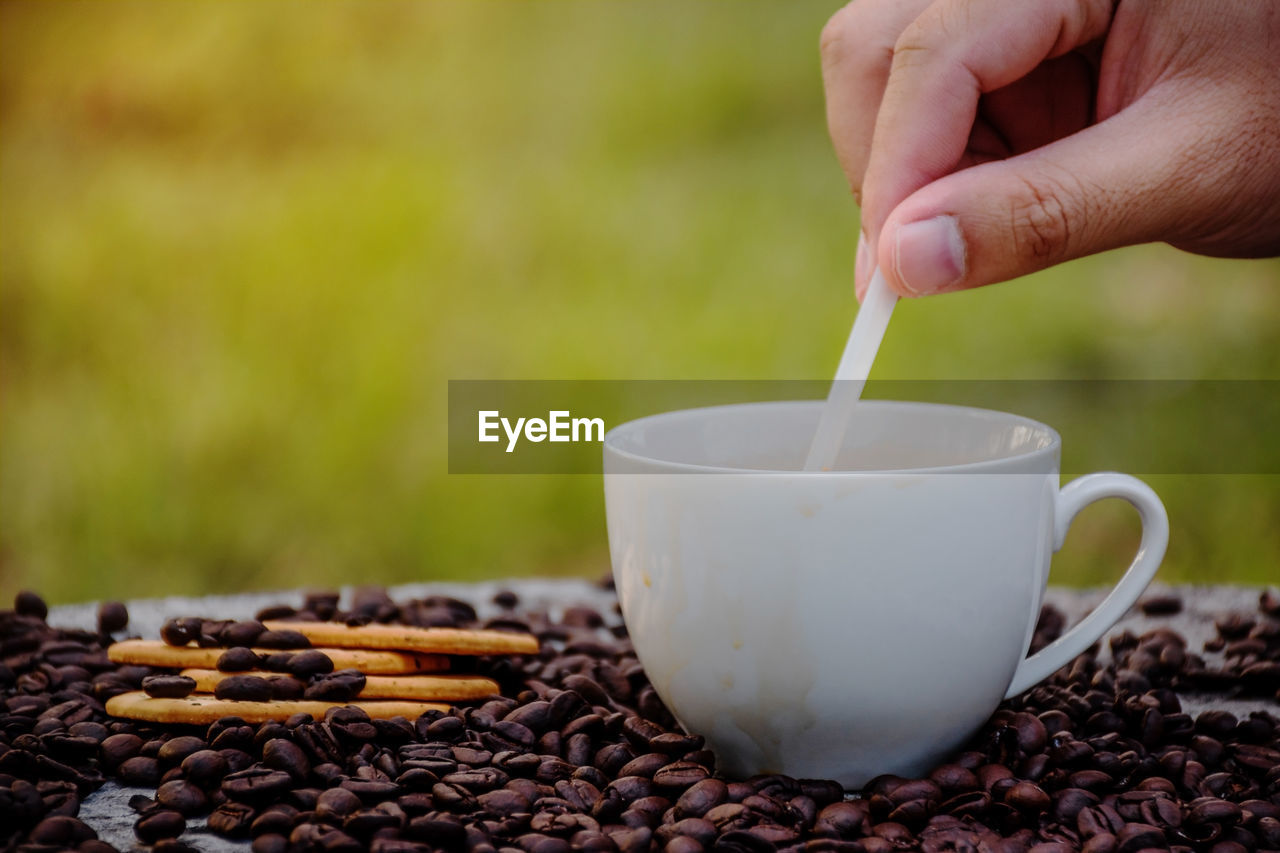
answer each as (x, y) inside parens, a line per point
(1078, 494)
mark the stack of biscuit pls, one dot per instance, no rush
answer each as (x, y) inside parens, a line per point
(261, 671)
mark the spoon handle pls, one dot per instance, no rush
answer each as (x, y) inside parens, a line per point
(855, 365)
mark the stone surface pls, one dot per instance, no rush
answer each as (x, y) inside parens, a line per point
(108, 812)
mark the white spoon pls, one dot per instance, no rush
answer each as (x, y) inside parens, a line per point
(855, 365)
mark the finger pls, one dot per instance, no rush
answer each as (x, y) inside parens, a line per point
(857, 50)
(1053, 101)
(943, 63)
(1112, 184)
(985, 144)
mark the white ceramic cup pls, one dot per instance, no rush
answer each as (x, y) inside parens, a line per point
(846, 623)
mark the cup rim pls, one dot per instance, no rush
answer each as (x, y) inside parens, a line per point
(611, 438)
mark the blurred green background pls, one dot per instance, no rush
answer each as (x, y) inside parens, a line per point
(243, 247)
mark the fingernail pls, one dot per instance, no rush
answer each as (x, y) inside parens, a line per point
(861, 266)
(929, 256)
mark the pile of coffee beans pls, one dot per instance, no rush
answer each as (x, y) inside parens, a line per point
(578, 753)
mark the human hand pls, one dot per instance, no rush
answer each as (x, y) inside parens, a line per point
(986, 139)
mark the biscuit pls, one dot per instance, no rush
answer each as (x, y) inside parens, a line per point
(202, 710)
(447, 641)
(449, 688)
(379, 662)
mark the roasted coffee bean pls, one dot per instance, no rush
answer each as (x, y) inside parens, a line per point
(365, 822)
(371, 790)
(209, 633)
(238, 659)
(112, 617)
(953, 777)
(649, 809)
(680, 774)
(630, 788)
(632, 840)
(1029, 731)
(231, 820)
(841, 820)
(180, 631)
(28, 603)
(447, 729)
(1103, 842)
(966, 803)
(278, 819)
(503, 802)
(94, 731)
(182, 797)
(237, 759)
(163, 823)
(1053, 847)
(535, 716)
(284, 638)
(464, 754)
(1160, 605)
(510, 762)
(1096, 819)
(283, 754)
(256, 785)
(276, 662)
(168, 686)
(286, 687)
(1069, 802)
(1138, 836)
(1235, 625)
(579, 793)
(205, 767)
(140, 770)
(1213, 810)
(511, 735)
(243, 688)
(746, 841)
(62, 830)
(479, 779)
(640, 731)
(120, 747)
(701, 831)
(245, 633)
(1027, 797)
(268, 731)
(701, 797)
(1267, 830)
(587, 688)
(439, 828)
(305, 665)
(990, 774)
(683, 844)
(823, 792)
(675, 744)
(645, 765)
(916, 789)
(552, 769)
(452, 797)
(343, 685)
(611, 758)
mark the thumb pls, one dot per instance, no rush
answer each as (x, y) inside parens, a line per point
(1130, 179)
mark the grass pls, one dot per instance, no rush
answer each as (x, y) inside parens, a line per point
(243, 248)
